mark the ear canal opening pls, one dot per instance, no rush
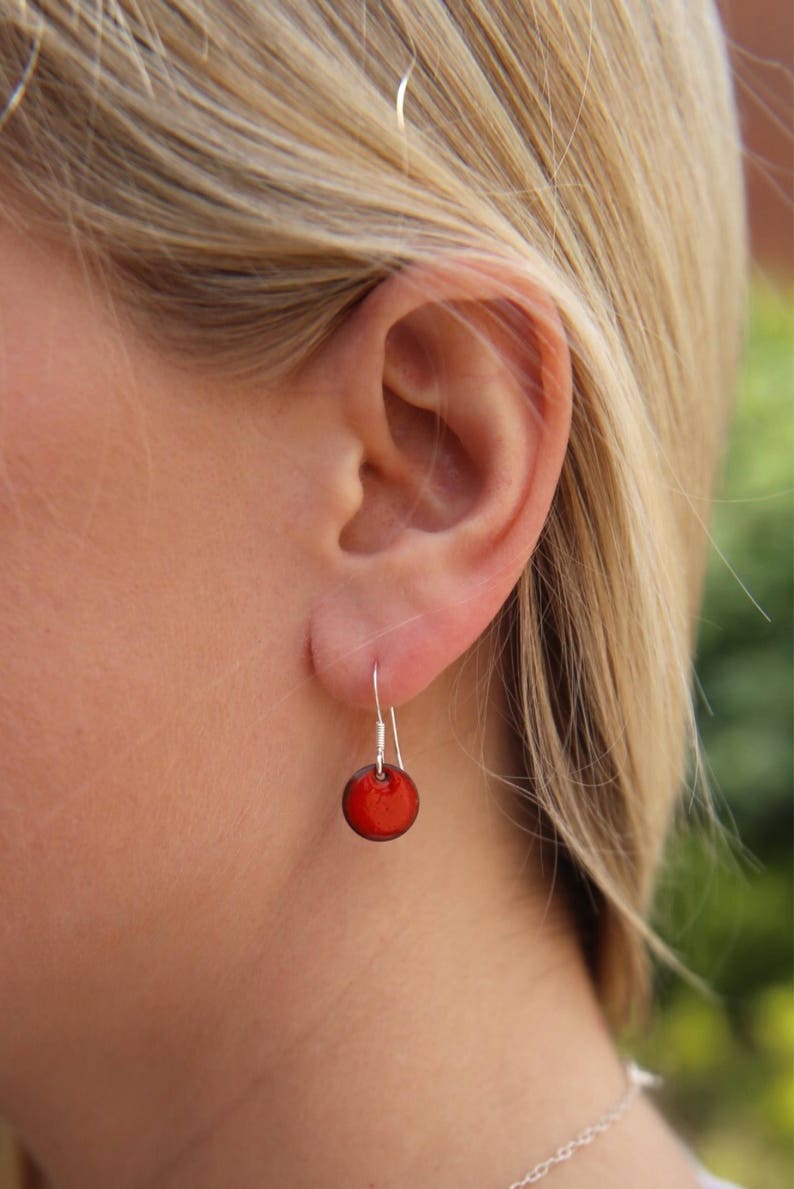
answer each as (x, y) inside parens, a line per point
(428, 481)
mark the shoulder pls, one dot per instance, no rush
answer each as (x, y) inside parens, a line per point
(707, 1180)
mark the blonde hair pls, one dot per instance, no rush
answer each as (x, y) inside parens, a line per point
(243, 173)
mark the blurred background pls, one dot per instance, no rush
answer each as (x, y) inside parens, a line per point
(726, 907)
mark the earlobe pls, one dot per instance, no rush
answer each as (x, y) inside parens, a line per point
(457, 384)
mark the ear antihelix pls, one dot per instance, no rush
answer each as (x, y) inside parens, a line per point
(380, 801)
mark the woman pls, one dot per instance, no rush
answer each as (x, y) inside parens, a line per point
(353, 357)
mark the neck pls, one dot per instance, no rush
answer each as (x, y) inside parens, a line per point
(410, 1015)
(423, 1050)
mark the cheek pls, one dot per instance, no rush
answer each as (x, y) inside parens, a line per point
(149, 628)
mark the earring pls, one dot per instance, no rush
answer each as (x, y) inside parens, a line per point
(380, 802)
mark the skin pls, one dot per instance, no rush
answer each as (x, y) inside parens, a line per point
(206, 978)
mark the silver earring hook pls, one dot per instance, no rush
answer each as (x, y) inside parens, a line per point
(380, 730)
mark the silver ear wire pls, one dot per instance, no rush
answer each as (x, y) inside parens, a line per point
(380, 730)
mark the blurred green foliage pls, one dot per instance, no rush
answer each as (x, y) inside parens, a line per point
(727, 897)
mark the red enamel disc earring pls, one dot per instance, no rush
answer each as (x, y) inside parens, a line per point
(380, 802)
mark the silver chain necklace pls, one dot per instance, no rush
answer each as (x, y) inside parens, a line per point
(638, 1079)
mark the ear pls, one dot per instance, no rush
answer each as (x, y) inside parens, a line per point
(453, 380)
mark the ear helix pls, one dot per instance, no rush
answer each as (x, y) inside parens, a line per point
(380, 801)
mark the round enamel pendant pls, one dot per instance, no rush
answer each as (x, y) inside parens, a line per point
(380, 808)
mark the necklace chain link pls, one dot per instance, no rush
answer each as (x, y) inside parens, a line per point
(638, 1079)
